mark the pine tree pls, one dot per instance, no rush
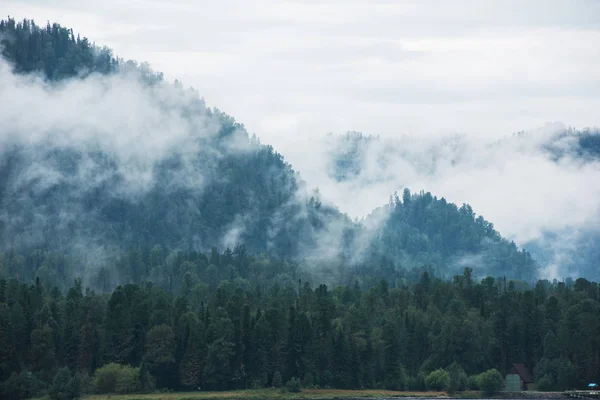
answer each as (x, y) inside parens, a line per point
(6, 347)
(72, 324)
(159, 355)
(191, 368)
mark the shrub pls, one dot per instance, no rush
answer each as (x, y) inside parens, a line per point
(309, 381)
(395, 379)
(116, 378)
(473, 382)
(105, 378)
(21, 386)
(128, 380)
(255, 384)
(491, 381)
(64, 386)
(294, 385)
(277, 380)
(545, 383)
(458, 378)
(327, 378)
(438, 380)
(412, 384)
(417, 383)
(147, 382)
(264, 379)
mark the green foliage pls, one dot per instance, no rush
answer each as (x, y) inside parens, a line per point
(327, 378)
(128, 380)
(395, 376)
(553, 374)
(65, 386)
(473, 382)
(458, 378)
(21, 386)
(6, 352)
(438, 380)
(417, 383)
(105, 378)
(491, 381)
(551, 350)
(147, 382)
(190, 371)
(52, 50)
(277, 379)
(159, 355)
(545, 383)
(116, 378)
(234, 337)
(417, 234)
(294, 385)
(308, 380)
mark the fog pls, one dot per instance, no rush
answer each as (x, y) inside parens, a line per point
(290, 69)
(444, 88)
(103, 139)
(513, 181)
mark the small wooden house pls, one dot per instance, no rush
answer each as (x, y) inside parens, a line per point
(517, 379)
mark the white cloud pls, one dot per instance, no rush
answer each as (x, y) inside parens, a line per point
(329, 64)
(292, 71)
(512, 183)
(136, 125)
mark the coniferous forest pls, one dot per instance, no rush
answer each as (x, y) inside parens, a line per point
(224, 271)
(250, 330)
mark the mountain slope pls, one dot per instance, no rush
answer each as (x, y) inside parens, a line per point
(117, 160)
(539, 186)
(424, 230)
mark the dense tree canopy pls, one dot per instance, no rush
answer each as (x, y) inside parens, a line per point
(53, 50)
(429, 333)
(425, 230)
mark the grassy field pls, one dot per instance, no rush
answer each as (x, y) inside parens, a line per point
(275, 394)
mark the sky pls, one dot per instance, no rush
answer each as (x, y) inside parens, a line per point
(305, 68)
(294, 71)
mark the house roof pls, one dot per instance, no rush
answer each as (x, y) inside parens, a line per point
(522, 372)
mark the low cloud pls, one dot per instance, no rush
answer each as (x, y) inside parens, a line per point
(133, 124)
(514, 182)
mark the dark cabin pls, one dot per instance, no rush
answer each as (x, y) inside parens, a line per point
(517, 378)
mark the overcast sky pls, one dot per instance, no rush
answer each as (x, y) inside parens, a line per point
(287, 68)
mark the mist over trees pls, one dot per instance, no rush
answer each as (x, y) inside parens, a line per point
(499, 174)
(87, 195)
(432, 231)
(148, 242)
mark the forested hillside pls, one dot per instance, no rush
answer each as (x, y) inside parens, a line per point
(212, 185)
(584, 144)
(88, 190)
(424, 230)
(563, 245)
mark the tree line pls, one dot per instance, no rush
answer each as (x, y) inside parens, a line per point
(56, 53)
(429, 334)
